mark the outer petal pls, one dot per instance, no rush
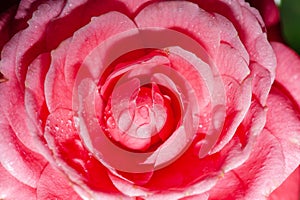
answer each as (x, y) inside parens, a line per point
(19, 161)
(12, 189)
(283, 121)
(16, 56)
(182, 16)
(288, 70)
(27, 44)
(289, 189)
(276, 155)
(26, 8)
(268, 10)
(54, 185)
(75, 15)
(134, 6)
(253, 180)
(251, 29)
(270, 13)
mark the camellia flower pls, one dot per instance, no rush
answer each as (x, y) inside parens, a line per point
(131, 99)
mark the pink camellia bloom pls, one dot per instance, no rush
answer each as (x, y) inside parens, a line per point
(137, 99)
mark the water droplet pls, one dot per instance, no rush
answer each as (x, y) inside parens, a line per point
(111, 123)
(76, 122)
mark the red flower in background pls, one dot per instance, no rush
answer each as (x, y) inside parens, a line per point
(147, 100)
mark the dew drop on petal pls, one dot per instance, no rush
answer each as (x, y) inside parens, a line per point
(111, 123)
(76, 122)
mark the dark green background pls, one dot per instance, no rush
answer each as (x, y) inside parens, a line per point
(290, 17)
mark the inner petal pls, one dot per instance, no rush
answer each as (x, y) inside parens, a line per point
(135, 120)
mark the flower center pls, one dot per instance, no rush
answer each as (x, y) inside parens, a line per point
(137, 121)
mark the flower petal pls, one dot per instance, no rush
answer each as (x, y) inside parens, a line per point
(67, 59)
(289, 189)
(11, 188)
(282, 109)
(25, 165)
(69, 152)
(288, 70)
(271, 16)
(17, 54)
(257, 177)
(275, 155)
(251, 30)
(237, 109)
(268, 11)
(34, 91)
(184, 16)
(54, 185)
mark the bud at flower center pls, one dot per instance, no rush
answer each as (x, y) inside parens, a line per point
(142, 117)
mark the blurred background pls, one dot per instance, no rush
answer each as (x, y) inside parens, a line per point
(290, 22)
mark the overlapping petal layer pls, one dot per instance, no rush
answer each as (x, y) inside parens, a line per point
(225, 144)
